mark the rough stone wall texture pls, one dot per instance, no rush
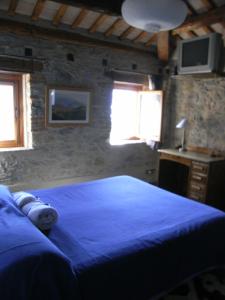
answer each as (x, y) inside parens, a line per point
(202, 102)
(63, 153)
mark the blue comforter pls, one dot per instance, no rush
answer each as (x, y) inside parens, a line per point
(31, 267)
(127, 239)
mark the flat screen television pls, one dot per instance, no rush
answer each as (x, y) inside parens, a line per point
(200, 54)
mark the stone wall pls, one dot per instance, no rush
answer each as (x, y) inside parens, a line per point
(80, 152)
(202, 102)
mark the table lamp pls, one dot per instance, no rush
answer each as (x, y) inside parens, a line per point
(182, 124)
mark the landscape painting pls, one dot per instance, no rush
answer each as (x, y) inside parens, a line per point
(68, 106)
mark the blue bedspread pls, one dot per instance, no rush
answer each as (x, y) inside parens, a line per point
(31, 267)
(127, 239)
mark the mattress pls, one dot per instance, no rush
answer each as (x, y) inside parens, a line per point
(127, 239)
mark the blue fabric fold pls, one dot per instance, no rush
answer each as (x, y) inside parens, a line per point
(31, 266)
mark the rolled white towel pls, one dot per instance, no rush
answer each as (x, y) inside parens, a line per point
(42, 215)
(22, 198)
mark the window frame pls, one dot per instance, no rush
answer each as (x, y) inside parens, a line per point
(16, 80)
(128, 86)
(161, 112)
(141, 89)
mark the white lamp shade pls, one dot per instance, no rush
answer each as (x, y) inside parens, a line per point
(154, 15)
(182, 123)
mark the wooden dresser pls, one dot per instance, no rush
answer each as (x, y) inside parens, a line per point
(194, 175)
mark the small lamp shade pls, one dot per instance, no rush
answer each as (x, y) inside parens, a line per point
(154, 15)
(182, 123)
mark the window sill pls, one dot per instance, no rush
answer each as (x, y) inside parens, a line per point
(125, 142)
(13, 149)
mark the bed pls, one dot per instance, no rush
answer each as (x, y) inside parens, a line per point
(121, 238)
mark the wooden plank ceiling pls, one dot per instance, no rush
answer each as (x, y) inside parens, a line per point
(102, 19)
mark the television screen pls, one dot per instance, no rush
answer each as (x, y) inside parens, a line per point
(195, 53)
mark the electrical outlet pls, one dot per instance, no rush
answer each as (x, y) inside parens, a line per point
(149, 171)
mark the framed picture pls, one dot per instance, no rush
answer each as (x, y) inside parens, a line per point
(67, 106)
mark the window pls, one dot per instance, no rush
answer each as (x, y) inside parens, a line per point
(136, 114)
(11, 111)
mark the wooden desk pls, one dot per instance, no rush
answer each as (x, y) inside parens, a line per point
(194, 175)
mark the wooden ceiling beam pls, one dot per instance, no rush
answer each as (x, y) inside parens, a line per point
(213, 16)
(113, 27)
(39, 6)
(103, 7)
(209, 4)
(59, 14)
(100, 20)
(191, 34)
(25, 29)
(163, 45)
(126, 32)
(192, 11)
(12, 7)
(83, 13)
(152, 39)
(207, 29)
(178, 37)
(141, 35)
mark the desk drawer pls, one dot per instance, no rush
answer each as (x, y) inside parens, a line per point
(198, 178)
(200, 168)
(197, 188)
(197, 191)
(197, 197)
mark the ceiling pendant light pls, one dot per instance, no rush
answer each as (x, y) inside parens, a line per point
(154, 15)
